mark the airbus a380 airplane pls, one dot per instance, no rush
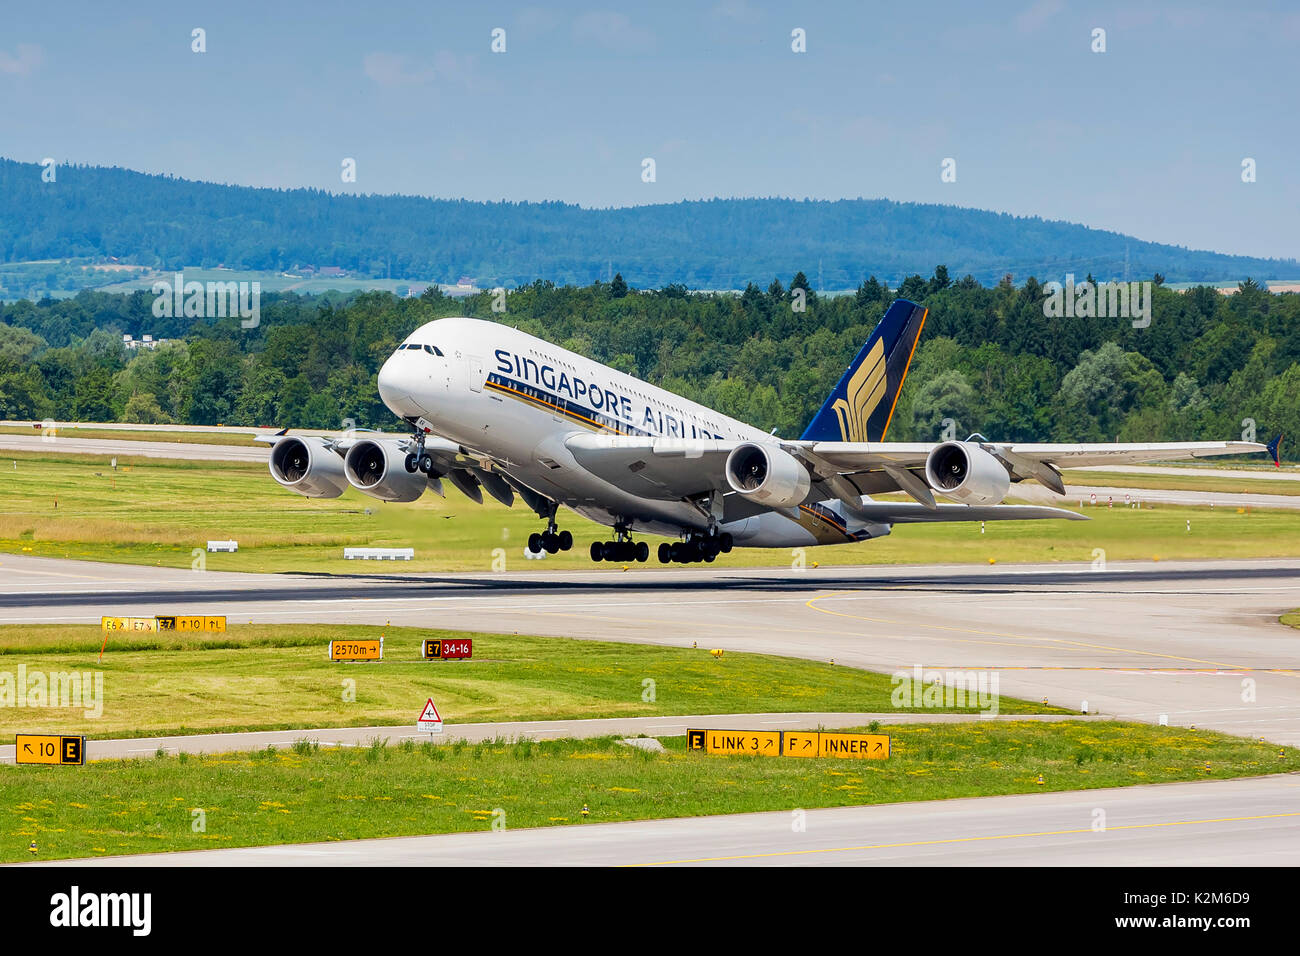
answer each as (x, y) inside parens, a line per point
(494, 408)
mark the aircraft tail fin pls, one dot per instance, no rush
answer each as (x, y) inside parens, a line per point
(862, 403)
(1275, 449)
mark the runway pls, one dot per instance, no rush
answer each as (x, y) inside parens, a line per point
(1249, 822)
(1198, 642)
(183, 451)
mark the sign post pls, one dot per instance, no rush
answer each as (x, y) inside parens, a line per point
(430, 721)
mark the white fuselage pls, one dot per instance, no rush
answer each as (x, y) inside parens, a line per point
(514, 398)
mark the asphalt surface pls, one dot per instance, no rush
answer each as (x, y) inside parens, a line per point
(184, 451)
(1198, 642)
(1078, 497)
(1285, 473)
(1253, 822)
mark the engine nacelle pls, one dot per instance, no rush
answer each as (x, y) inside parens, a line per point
(767, 474)
(966, 473)
(308, 468)
(378, 469)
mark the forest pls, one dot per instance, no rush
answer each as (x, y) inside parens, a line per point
(97, 213)
(989, 358)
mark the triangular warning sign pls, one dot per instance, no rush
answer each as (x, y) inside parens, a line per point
(430, 712)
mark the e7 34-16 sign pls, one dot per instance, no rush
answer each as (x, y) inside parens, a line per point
(441, 650)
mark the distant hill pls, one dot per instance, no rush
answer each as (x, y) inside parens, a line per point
(167, 222)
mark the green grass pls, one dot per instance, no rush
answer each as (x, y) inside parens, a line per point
(1292, 619)
(268, 677)
(1233, 486)
(304, 794)
(156, 512)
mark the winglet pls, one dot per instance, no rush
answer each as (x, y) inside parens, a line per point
(271, 439)
(1275, 449)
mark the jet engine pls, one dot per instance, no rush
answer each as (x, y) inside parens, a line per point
(966, 473)
(307, 467)
(378, 469)
(767, 474)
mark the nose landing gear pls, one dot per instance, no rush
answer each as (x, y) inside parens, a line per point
(698, 547)
(418, 459)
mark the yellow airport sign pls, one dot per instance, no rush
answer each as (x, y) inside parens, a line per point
(790, 743)
(357, 650)
(858, 746)
(191, 623)
(765, 743)
(134, 625)
(802, 743)
(49, 749)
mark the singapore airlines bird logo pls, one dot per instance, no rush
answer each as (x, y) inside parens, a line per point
(861, 396)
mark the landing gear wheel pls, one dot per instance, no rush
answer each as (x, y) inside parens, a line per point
(665, 553)
(550, 541)
(411, 463)
(596, 554)
(725, 542)
(566, 540)
(642, 552)
(426, 463)
(535, 543)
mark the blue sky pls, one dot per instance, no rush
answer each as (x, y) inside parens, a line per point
(1147, 138)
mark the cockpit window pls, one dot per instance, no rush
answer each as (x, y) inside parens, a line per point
(433, 350)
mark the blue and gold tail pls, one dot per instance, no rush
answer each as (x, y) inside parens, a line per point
(862, 403)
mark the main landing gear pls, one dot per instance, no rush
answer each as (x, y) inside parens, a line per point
(698, 547)
(550, 540)
(623, 548)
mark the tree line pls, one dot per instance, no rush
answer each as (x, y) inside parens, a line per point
(989, 361)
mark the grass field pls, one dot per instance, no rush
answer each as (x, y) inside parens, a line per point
(306, 794)
(266, 677)
(157, 512)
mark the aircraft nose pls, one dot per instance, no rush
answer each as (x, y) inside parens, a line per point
(397, 386)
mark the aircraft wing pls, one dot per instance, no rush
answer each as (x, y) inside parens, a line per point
(672, 468)
(864, 456)
(872, 466)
